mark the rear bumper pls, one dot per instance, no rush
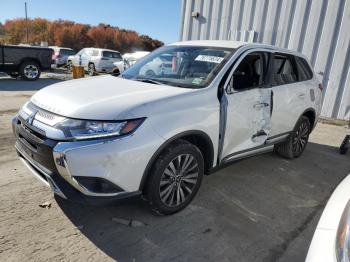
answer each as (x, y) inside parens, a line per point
(47, 162)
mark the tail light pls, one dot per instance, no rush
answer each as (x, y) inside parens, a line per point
(56, 55)
(320, 86)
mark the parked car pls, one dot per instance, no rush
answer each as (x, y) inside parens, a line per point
(24, 61)
(331, 240)
(115, 137)
(128, 60)
(95, 60)
(132, 58)
(119, 67)
(61, 54)
(158, 66)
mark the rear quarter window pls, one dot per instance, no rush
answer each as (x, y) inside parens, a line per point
(304, 70)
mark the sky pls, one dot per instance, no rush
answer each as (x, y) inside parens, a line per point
(160, 19)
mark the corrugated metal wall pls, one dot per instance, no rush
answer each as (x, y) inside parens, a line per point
(320, 29)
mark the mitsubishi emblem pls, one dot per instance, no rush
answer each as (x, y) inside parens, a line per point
(30, 119)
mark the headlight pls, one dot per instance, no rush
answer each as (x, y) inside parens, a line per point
(343, 236)
(85, 129)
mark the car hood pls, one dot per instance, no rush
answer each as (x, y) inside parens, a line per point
(103, 97)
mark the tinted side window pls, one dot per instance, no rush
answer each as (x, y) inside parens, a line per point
(304, 70)
(109, 54)
(283, 70)
(249, 73)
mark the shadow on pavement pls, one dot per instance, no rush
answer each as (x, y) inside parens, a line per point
(252, 210)
(11, 84)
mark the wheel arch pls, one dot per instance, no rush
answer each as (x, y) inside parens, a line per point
(310, 113)
(196, 137)
(29, 59)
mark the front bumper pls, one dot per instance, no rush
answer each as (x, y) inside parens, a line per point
(46, 159)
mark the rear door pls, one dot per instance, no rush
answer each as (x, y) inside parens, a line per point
(108, 58)
(77, 58)
(289, 94)
(247, 103)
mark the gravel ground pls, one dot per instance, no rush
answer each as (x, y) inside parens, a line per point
(264, 208)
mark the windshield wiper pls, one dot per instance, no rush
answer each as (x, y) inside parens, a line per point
(148, 80)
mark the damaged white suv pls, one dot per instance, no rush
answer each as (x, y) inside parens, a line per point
(107, 137)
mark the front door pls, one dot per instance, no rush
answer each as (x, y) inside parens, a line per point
(248, 106)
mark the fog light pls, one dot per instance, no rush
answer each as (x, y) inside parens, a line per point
(98, 185)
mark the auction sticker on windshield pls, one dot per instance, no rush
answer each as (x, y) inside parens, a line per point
(209, 58)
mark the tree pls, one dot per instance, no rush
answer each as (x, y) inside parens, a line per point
(75, 35)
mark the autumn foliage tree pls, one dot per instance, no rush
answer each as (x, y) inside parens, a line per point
(75, 35)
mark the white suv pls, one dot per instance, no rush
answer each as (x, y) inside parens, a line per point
(97, 60)
(114, 137)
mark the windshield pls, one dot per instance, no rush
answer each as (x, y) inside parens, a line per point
(183, 66)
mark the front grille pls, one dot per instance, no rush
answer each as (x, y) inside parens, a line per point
(37, 146)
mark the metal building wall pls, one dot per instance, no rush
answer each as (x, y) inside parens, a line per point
(320, 29)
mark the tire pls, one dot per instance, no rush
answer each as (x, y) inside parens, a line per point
(115, 72)
(30, 70)
(344, 147)
(69, 66)
(91, 69)
(13, 74)
(175, 178)
(150, 73)
(296, 143)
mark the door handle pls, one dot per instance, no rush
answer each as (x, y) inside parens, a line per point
(258, 106)
(301, 95)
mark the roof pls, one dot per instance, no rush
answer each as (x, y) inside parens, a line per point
(102, 49)
(234, 45)
(213, 43)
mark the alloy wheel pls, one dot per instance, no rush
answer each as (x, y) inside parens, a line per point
(91, 70)
(178, 180)
(31, 71)
(300, 138)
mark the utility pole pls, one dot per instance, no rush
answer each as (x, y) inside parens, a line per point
(25, 9)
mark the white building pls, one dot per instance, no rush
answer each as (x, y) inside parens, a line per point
(319, 29)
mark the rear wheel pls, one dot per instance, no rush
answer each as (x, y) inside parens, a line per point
(30, 70)
(175, 178)
(297, 141)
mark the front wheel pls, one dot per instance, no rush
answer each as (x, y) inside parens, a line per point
(295, 145)
(175, 178)
(69, 66)
(13, 74)
(91, 70)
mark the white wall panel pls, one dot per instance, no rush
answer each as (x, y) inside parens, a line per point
(318, 28)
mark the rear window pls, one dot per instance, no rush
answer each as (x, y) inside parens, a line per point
(67, 52)
(304, 70)
(109, 54)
